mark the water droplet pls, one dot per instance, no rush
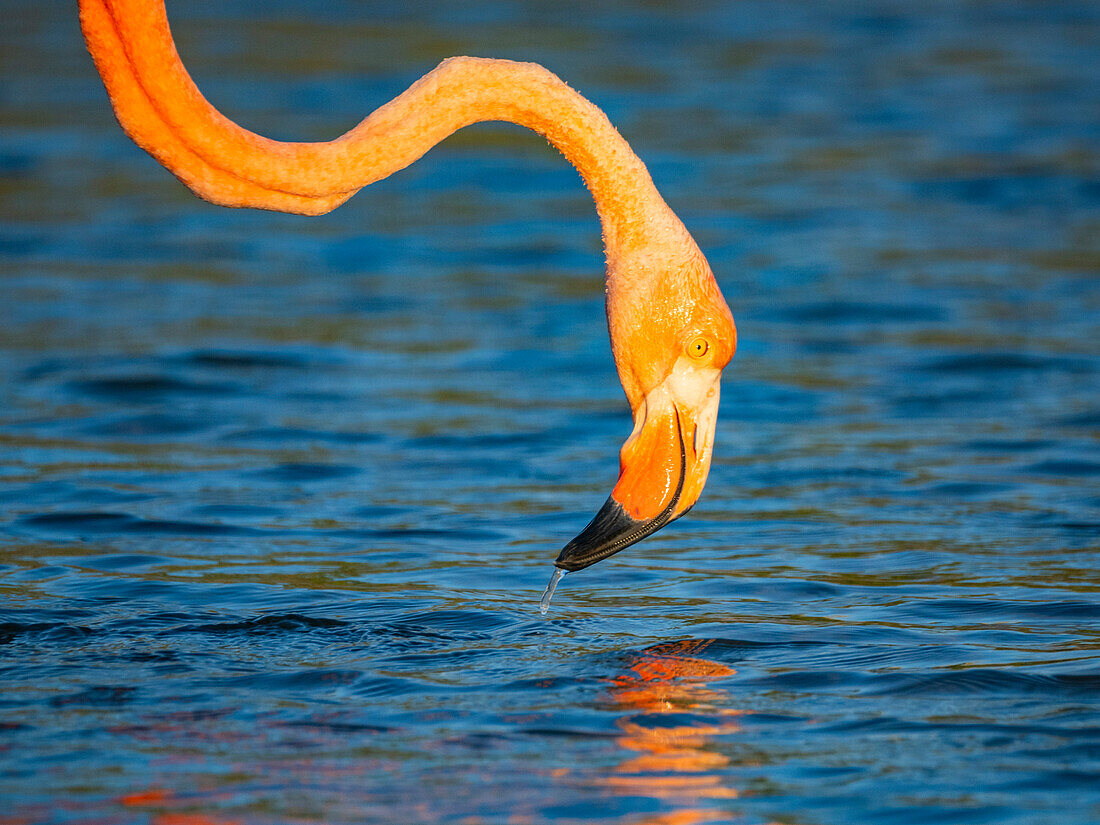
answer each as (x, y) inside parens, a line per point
(544, 604)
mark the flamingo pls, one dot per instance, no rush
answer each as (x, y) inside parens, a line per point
(671, 330)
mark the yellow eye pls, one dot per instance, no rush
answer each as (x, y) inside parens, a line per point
(698, 347)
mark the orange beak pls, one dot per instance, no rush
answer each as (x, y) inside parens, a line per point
(662, 469)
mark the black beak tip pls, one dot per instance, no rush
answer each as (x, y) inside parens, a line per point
(609, 532)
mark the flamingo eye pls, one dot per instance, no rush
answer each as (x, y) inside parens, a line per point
(698, 347)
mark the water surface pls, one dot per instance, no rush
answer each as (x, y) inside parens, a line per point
(280, 494)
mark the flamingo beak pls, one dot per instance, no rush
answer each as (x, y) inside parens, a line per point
(663, 467)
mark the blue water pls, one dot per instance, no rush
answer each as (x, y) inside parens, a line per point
(280, 495)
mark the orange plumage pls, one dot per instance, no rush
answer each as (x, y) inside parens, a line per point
(661, 294)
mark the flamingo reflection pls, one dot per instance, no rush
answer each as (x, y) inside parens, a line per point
(672, 758)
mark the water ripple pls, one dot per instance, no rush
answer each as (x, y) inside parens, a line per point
(280, 495)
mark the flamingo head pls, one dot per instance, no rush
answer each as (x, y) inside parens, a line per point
(672, 334)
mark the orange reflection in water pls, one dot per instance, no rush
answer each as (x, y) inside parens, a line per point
(158, 797)
(675, 763)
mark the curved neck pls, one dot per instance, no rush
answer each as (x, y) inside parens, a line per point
(163, 111)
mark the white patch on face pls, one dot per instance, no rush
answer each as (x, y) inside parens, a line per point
(691, 388)
(697, 388)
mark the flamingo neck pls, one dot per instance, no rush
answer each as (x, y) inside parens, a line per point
(163, 111)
